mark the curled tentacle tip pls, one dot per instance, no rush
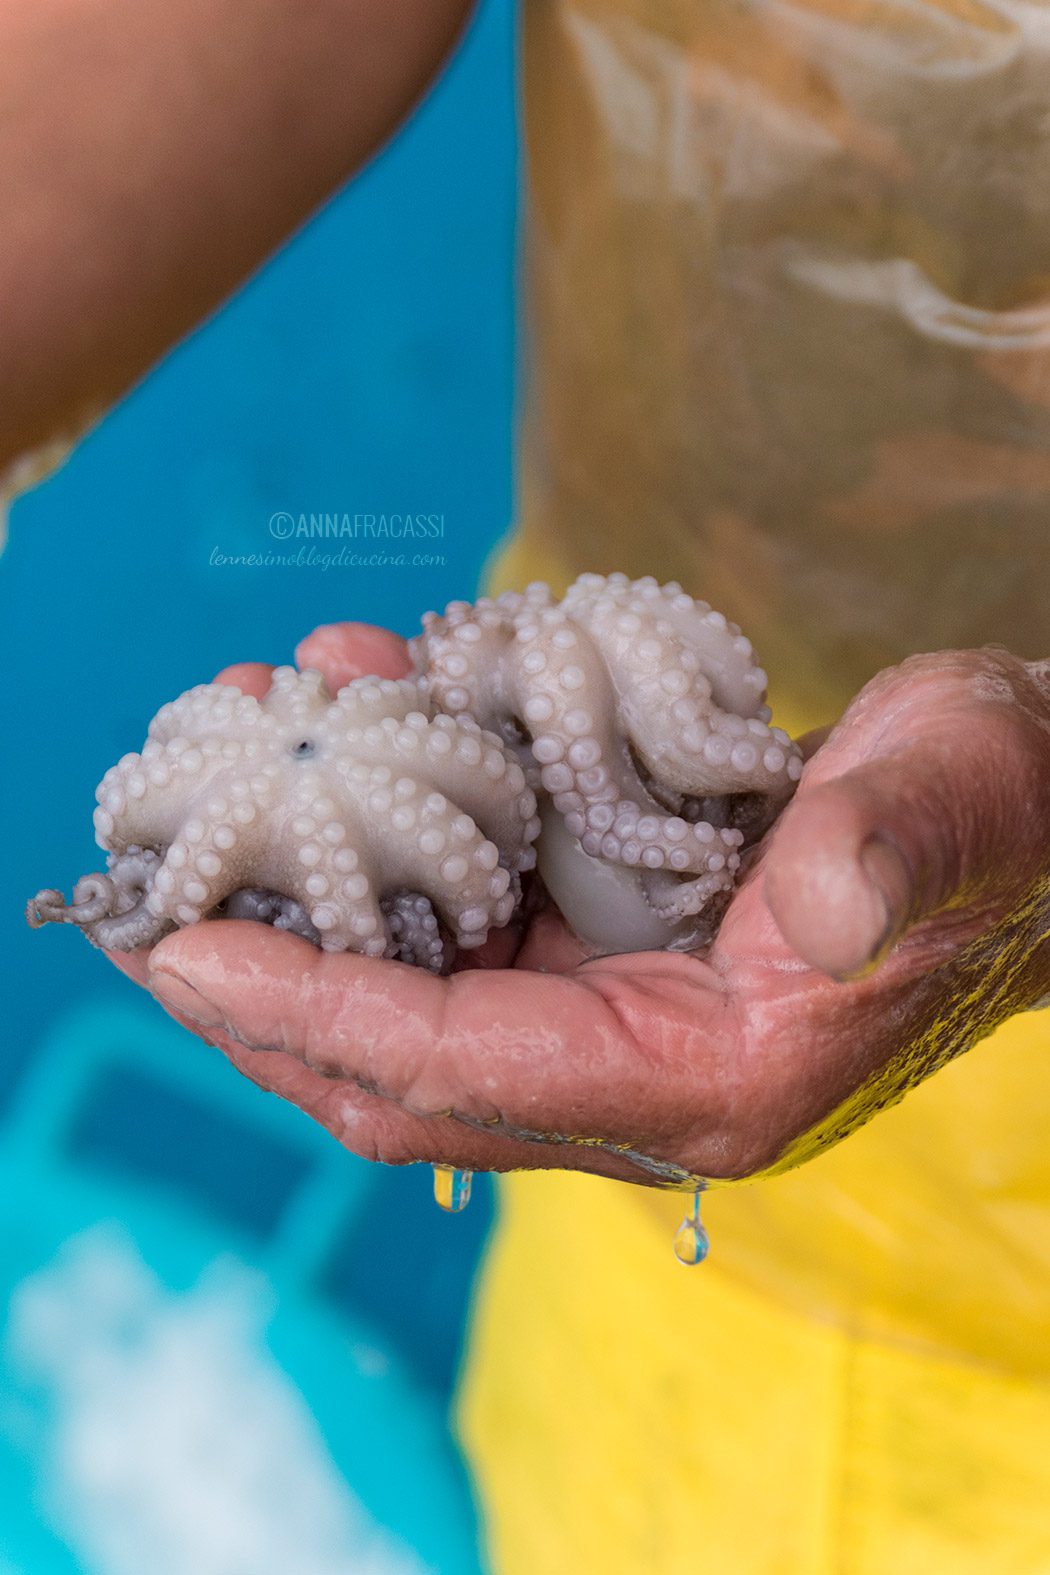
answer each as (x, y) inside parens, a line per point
(93, 899)
(47, 907)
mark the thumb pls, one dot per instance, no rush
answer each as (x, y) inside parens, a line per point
(858, 859)
(344, 651)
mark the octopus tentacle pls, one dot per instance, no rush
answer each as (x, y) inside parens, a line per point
(415, 933)
(464, 658)
(293, 919)
(470, 766)
(673, 694)
(111, 909)
(370, 700)
(216, 845)
(723, 654)
(94, 897)
(208, 710)
(142, 800)
(323, 858)
(131, 923)
(269, 907)
(126, 932)
(442, 854)
(675, 900)
(473, 769)
(295, 699)
(252, 902)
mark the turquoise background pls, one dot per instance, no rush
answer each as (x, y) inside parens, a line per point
(368, 368)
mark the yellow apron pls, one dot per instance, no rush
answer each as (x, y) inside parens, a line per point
(789, 267)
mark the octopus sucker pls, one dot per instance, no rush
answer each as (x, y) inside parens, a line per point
(618, 737)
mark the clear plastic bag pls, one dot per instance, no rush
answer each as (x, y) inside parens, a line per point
(790, 318)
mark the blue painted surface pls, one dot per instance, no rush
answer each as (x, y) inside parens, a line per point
(367, 369)
(83, 1231)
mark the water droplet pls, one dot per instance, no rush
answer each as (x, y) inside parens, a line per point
(691, 1241)
(452, 1188)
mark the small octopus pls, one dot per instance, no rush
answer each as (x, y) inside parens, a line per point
(366, 822)
(639, 714)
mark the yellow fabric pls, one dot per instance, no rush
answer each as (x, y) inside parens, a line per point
(790, 343)
(857, 1381)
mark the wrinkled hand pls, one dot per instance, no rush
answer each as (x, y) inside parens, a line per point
(899, 910)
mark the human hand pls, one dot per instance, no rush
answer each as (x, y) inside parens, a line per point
(897, 912)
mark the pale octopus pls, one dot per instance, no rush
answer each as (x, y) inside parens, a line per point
(640, 716)
(360, 822)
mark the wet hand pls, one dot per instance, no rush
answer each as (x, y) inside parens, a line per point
(897, 912)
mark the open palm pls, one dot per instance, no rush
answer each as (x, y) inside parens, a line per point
(897, 912)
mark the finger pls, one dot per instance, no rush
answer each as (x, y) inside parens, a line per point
(343, 651)
(929, 820)
(541, 1054)
(251, 678)
(378, 1129)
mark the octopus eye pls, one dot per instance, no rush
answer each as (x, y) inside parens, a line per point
(303, 750)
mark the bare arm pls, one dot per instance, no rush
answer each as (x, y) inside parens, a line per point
(152, 155)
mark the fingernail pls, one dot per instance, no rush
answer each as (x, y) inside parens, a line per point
(184, 999)
(886, 869)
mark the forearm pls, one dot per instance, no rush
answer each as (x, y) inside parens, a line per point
(151, 156)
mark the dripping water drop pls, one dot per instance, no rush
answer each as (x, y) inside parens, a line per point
(691, 1241)
(452, 1188)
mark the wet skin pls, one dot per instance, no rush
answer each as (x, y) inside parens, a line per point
(897, 912)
